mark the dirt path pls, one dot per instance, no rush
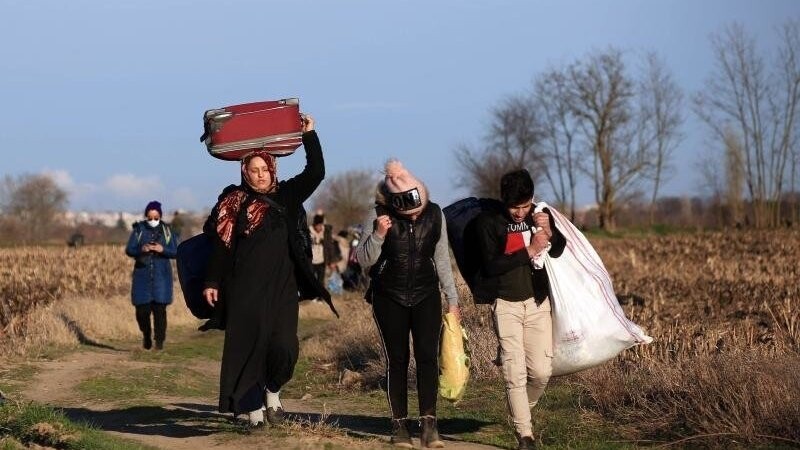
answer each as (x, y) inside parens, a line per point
(193, 423)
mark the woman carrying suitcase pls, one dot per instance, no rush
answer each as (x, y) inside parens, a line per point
(258, 264)
(407, 256)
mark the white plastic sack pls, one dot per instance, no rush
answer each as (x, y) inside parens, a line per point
(589, 326)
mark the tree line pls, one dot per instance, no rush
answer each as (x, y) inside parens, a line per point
(598, 118)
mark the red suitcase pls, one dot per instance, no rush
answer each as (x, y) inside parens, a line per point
(234, 131)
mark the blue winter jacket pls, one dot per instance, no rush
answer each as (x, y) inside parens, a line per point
(152, 272)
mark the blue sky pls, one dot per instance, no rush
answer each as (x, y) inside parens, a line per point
(108, 96)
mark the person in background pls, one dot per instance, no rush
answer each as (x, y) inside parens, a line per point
(511, 239)
(260, 267)
(323, 247)
(342, 251)
(353, 276)
(152, 244)
(406, 253)
(178, 225)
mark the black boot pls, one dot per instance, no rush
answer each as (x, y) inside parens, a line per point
(275, 416)
(401, 437)
(147, 342)
(526, 443)
(429, 437)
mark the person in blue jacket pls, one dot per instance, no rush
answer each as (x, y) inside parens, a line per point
(152, 244)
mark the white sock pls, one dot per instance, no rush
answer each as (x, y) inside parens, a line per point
(274, 400)
(256, 416)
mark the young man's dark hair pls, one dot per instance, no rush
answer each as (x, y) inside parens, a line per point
(516, 187)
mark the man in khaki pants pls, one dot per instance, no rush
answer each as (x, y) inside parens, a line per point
(511, 241)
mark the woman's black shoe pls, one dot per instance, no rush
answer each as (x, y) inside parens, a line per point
(429, 437)
(147, 343)
(401, 437)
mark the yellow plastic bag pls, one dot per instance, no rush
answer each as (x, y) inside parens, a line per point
(453, 359)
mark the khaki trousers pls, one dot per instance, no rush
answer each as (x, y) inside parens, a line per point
(525, 335)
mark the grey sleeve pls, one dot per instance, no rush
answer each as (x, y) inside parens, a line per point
(441, 257)
(369, 246)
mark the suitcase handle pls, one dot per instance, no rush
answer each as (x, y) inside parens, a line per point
(213, 120)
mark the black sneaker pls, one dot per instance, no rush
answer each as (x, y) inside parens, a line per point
(526, 443)
(147, 343)
(401, 436)
(275, 416)
(429, 436)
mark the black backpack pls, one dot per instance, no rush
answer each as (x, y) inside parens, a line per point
(192, 258)
(460, 219)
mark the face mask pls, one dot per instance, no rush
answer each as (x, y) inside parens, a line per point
(153, 223)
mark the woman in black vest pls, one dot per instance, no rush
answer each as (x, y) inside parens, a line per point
(407, 258)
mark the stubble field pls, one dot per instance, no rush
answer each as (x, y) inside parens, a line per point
(721, 306)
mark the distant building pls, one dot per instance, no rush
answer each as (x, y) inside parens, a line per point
(105, 218)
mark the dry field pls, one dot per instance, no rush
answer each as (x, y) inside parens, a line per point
(724, 310)
(61, 295)
(723, 307)
(32, 277)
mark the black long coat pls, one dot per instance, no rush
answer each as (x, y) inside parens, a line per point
(259, 277)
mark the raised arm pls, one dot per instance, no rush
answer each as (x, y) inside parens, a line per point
(303, 184)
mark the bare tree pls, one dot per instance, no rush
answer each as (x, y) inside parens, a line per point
(34, 202)
(602, 97)
(794, 212)
(559, 131)
(761, 105)
(512, 143)
(347, 197)
(734, 175)
(661, 102)
(711, 183)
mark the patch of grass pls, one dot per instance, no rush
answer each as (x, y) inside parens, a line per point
(51, 352)
(34, 424)
(185, 345)
(562, 422)
(11, 378)
(558, 420)
(8, 443)
(311, 377)
(480, 416)
(135, 386)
